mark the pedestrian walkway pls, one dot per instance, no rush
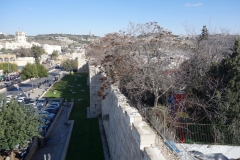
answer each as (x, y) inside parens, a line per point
(54, 145)
(36, 92)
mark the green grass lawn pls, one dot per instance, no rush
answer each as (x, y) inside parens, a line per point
(85, 143)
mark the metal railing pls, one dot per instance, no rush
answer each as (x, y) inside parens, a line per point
(192, 132)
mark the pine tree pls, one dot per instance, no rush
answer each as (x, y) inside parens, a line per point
(204, 34)
(229, 71)
(230, 68)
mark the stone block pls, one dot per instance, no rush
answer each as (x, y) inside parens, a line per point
(143, 134)
(152, 153)
(132, 115)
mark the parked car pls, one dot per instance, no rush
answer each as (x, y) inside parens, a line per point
(52, 110)
(42, 129)
(42, 102)
(46, 121)
(47, 113)
(21, 99)
(33, 102)
(55, 104)
(26, 101)
(9, 98)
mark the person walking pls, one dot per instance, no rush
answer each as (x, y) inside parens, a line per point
(29, 95)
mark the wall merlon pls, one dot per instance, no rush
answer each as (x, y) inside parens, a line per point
(143, 134)
(153, 153)
(132, 115)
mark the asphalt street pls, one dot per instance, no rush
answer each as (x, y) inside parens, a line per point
(26, 86)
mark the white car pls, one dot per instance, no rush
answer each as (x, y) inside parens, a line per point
(42, 102)
(9, 97)
(21, 99)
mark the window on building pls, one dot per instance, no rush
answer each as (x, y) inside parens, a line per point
(12, 59)
(6, 59)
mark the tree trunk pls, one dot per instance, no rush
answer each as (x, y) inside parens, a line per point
(156, 97)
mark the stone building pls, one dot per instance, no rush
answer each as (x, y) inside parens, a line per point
(8, 58)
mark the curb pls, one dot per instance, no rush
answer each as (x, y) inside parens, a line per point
(65, 149)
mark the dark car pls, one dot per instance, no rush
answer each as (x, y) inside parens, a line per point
(42, 129)
(46, 121)
(26, 100)
(48, 116)
(53, 107)
(52, 110)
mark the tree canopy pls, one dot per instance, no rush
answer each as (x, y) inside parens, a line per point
(23, 52)
(54, 55)
(18, 125)
(70, 65)
(8, 67)
(42, 71)
(37, 52)
(29, 71)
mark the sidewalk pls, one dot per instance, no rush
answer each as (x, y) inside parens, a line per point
(57, 140)
(36, 92)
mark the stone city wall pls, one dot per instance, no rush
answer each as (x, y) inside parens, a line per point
(94, 85)
(128, 136)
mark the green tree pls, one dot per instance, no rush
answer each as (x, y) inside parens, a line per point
(42, 71)
(229, 71)
(214, 98)
(37, 52)
(18, 125)
(8, 67)
(70, 65)
(23, 52)
(204, 34)
(54, 55)
(29, 71)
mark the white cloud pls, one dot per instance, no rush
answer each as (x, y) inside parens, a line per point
(193, 4)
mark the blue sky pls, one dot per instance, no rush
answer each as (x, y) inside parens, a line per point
(106, 16)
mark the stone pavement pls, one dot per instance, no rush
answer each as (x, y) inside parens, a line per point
(57, 138)
(37, 92)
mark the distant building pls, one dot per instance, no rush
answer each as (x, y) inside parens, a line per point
(90, 34)
(50, 48)
(20, 42)
(8, 58)
(64, 39)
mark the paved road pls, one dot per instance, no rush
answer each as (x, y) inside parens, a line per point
(26, 86)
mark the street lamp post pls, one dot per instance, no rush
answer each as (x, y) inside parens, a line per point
(8, 65)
